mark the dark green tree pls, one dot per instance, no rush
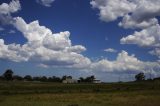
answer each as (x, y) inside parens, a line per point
(64, 77)
(81, 79)
(8, 75)
(92, 78)
(28, 78)
(140, 77)
(43, 78)
(17, 77)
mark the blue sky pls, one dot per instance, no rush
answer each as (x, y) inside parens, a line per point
(96, 32)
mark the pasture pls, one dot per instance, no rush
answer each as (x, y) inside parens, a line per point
(56, 94)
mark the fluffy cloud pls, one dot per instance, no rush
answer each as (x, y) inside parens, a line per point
(11, 52)
(46, 3)
(149, 37)
(44, 47)
(48, 49)
(7, 9)
(135, 13)
(143, 15)
(129, 22)
(111, 50)
(155, 52)
(110, 10)
(12, 7)
(123, 64)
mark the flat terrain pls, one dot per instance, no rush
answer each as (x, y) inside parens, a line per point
(54, 94)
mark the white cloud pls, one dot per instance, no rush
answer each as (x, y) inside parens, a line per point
(124, 64)
(46, 3)
(111, 50)
(129, 22)
(77, 49)
(110, 10)
(12, 7)
(44, 47)
(149, 37)
(155, 52)
(11, 52)
(49, 49)
(144, 14)
(135, 13)
(7, 9)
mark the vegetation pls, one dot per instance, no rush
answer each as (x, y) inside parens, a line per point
(18, 93)
(8, 75)
(140, 77)
(43, 91)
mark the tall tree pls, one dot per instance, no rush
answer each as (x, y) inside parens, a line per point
(140, 77)
(8, 75)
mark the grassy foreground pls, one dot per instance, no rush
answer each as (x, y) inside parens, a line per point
(51, 94)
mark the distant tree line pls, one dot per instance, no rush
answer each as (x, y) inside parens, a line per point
(9, 76)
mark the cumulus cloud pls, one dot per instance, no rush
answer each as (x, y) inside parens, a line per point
(111, 50)
(143, 15)
(7, 9)
(134, 13)
(110, 10)
(155, 52)
(149, 37)
(129, 22)
(46, 3)
(124, 63)
(49, 49)
(44, 47)
(12, 7)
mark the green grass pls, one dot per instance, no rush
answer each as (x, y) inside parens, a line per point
(54, 94)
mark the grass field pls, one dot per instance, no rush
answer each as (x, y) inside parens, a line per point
(54, 94)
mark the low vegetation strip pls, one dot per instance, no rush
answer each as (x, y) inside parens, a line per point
(18, 93)
(134, 98)
(8, 87)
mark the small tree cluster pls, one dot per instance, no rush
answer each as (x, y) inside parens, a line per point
(140, 77)
(87, 79)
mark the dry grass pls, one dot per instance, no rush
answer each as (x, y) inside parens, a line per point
(140, 98)
(49, 94)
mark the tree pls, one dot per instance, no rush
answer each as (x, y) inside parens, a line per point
(8, 75)
(43, 79)
(69, 77)
(28, 78)
(64, 77)
(140, 77)
(17, 77)
(56, 79)
(92, 78)
(81, 79)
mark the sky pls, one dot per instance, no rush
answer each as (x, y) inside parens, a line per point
(111, 39)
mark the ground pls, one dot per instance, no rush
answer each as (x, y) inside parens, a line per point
(54, 94)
